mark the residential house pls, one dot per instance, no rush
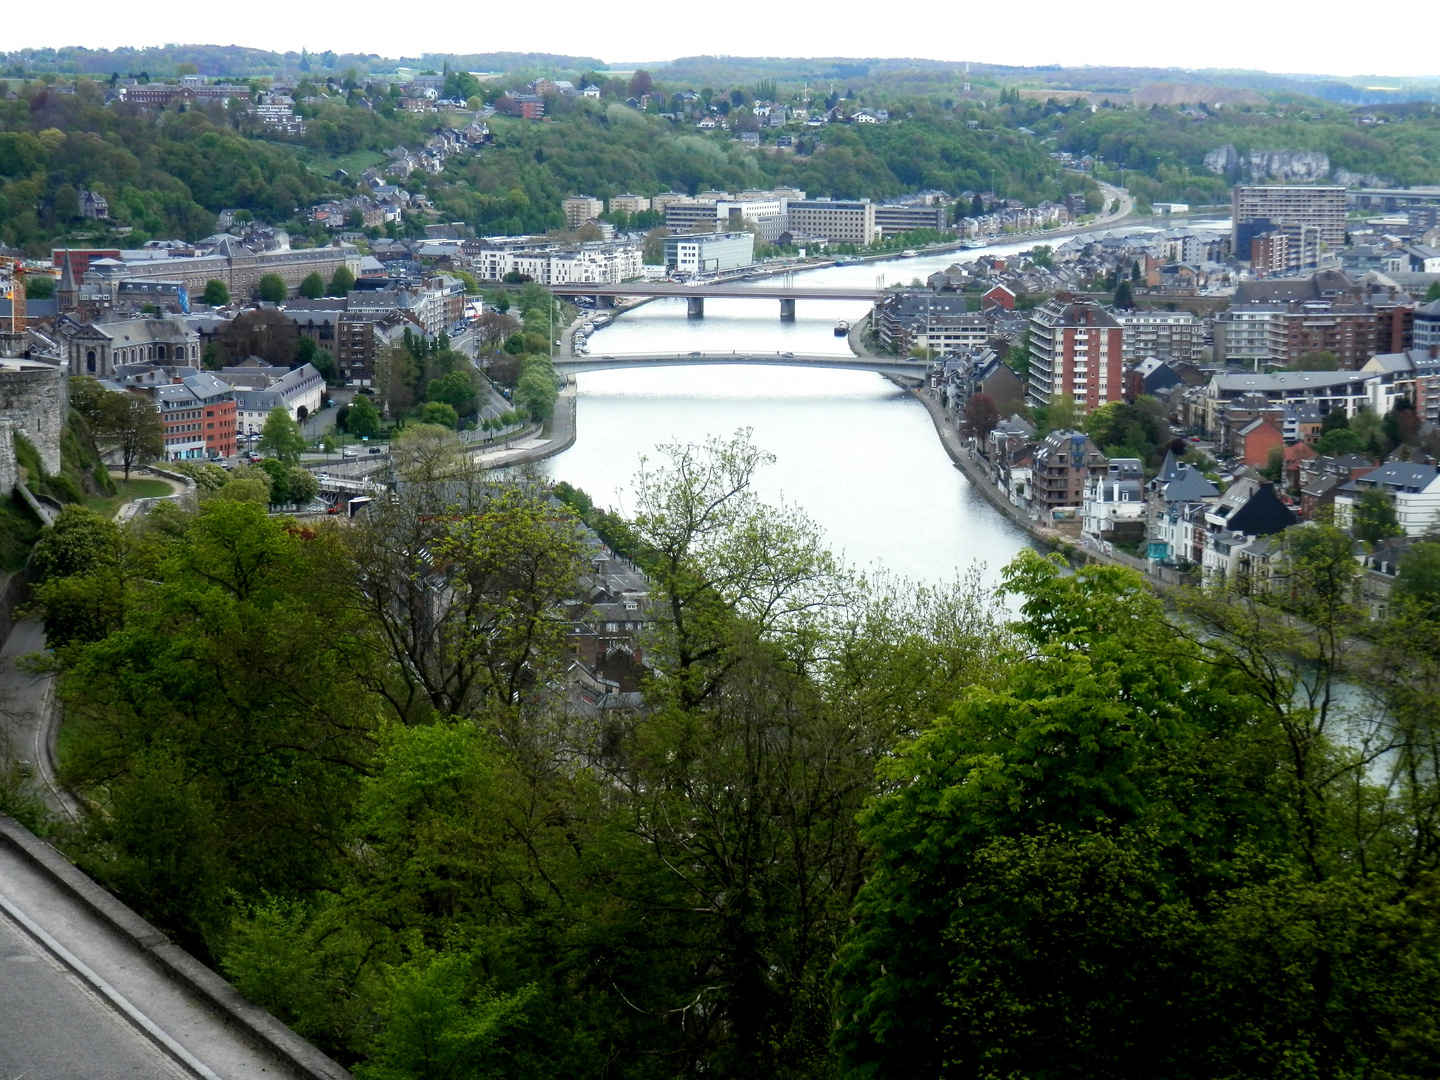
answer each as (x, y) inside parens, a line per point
(1114, 506)
(1064, 463)
(1413, 490)
(1248, 510)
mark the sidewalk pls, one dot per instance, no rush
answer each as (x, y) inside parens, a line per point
(537, 447)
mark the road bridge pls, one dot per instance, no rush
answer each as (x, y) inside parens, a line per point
(898, 366)
(696, 293)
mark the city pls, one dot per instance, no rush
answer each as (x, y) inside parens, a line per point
(517, 565)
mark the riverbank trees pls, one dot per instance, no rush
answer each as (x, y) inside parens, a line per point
(858, 827)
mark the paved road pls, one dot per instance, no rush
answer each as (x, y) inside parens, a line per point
(27, 714)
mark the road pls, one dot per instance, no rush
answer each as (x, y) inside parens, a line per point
(27, 716)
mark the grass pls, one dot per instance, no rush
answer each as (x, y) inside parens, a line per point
(19, 529)
(353, 163)
(128, 491)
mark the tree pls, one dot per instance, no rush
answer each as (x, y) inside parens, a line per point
(273, 289)
(1123, 297)
(216, 294)
(536, 392)
(493, 328)
(39, 287)
(129, 425)
(1373, 518)
(1315, 361)
(1340, 441)
(1433, 292)
(262, 332)
(640, 84)
(313, 286)
(281, 436)
(981, 416)
(341, 281)
(303, 485)
(440, 414)
(363, 419)
(457, 390)
(1417, 584)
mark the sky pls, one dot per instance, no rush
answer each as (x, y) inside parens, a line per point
(1260, 34)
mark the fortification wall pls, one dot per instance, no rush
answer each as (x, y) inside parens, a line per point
(35, 399)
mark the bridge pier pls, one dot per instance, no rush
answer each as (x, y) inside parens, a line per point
(695, 307)
(604, 302)
(787, 310)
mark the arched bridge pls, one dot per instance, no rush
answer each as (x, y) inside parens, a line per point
(898, 366)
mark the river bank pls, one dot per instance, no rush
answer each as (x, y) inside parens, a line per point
(553, 438)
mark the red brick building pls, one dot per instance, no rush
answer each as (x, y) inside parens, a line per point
(199, 417)
(1076, 352)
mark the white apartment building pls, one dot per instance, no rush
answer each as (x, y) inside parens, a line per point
(596, 263)
(1414, 491)
(628, 204)
(836, 221)
(708, 253)
(1168, 335)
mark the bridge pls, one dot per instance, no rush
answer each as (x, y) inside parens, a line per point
(696, 293)
(884, 365)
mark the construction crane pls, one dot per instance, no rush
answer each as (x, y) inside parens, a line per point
(17, 293)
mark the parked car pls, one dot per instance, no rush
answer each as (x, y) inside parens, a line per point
(377, 449)
(349, 451)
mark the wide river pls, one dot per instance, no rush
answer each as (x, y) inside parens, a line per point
(853, 450)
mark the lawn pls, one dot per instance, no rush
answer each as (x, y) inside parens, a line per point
(353, 163)
(129, 491)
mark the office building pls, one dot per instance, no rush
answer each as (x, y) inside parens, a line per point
(907, 217)
(708, 253)
(833, 220)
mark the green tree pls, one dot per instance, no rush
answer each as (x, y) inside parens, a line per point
(216, 294)
(1340, 441)
(457, 390)
(1373, 517)
(363, 419)
(1433, 292)
(1124, 299)
(536, 393)
(129, 425)
(279, 474)
(273, 289)
(39, 287)
(281, 436)
(341, 281)
(313, 287)
(1417, 584)
(439, 413)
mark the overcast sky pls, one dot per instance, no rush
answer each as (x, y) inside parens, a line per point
(1262, 34)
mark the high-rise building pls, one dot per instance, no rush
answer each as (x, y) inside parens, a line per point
(1076, 349)
(1311, 218)
(579, 209)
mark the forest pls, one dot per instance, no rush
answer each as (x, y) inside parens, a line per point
(857, 828)
(166, 174)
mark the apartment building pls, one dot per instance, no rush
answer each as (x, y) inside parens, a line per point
(1347, 391)
(1076, 352)
(833, 220)
(1064, 464)
(1166, 335)
(629, 204)
(579, 209)
(1311, 218)
(592, 263)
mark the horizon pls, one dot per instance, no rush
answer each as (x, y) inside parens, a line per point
(1233, 37)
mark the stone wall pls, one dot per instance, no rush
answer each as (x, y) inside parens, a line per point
(9, 469)
(35, 399)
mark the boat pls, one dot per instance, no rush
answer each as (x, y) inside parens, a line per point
(909, 253)
(842, 328)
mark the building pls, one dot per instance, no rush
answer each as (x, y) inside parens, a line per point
(1065, 463)
(1114, 506)
(594, 262)
(836, 221)
(578, 209)
(98, 348)
(1347, 391)
(198, 412)
(894, 219)
(259, 388)
(1247, 511)
(1311, 218)
(1165, 335)
(629, 204)
(708, 253)
(1413, 489)
(190, 89)
(1076, 352)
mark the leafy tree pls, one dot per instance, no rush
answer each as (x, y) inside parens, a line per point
(1315, 361)
(81, 588)
(640, 84)
(341, 281)
(439, 413)
(1340, 441)
(363, 419)
(1123, 296)
(273, 289)
(1334, 420)
(281, 436)
(457, 390)
(981, 416)
(39, 286)
(313, 286)
(1417, 584)
(303, 485)
(536, 392)
(216, 294)
(279, 474)
(1374, 518)
(1433, 292)
(129, 425)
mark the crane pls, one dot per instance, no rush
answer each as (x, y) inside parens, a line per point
(17, 293)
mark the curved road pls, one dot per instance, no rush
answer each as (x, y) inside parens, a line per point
(27, 717)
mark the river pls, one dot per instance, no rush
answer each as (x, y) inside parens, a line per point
(852, 449)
